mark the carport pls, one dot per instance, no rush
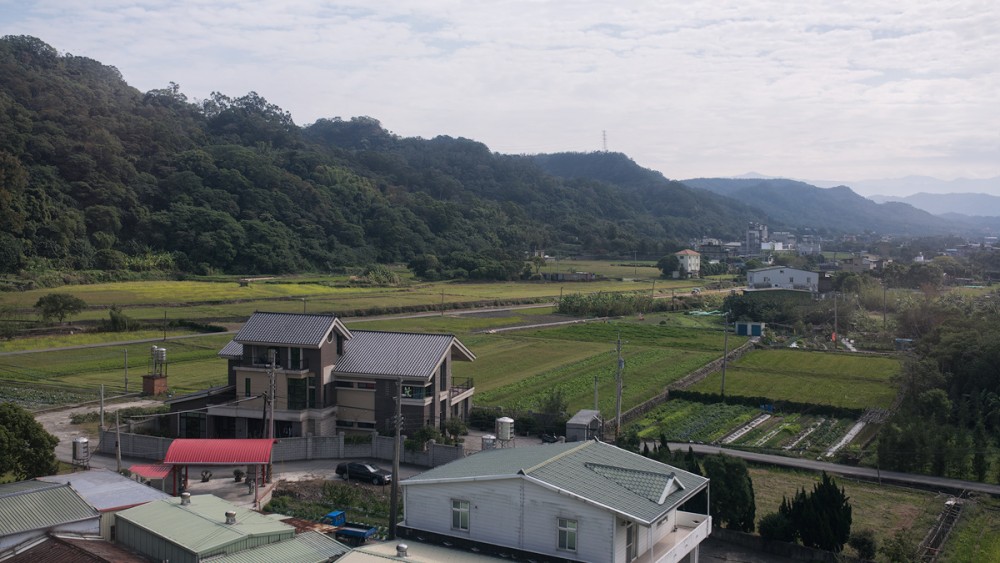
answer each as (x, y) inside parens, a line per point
(185, 452)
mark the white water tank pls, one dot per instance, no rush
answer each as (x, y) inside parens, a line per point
(489, 442)
(505, 429)
(81, 449)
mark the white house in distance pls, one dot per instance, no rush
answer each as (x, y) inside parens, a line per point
(577, 501)
(780, 277)
(690, 263)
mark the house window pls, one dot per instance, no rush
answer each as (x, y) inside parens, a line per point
(366, 385)
(631, 547)
(344, 384)
(246, 387)
(370, 425)
(460, 515)
(297, 394)
(345, 423)
(567, 534)
(340, 345)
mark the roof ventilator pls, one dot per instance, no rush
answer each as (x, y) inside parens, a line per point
(230, 517)
(185, 498)
(401, 550)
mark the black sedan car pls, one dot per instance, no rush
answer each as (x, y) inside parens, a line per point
(364, 472)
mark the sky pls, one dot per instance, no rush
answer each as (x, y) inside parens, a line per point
(842, 91)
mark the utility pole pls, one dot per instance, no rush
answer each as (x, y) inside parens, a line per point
(835, 335)
(118, 443)
(883, 306)
(618, 381)
(271, 392)
(595, 393)
(394, 491)
(635, 263)
(725, 351)
(102, 407)
(164, 325)
(126, 370)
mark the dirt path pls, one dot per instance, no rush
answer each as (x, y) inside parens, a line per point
(58, 424)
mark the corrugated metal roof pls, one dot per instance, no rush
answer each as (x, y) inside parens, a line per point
(39, 507)
(399, 353)
(201, 526)
(289, 329)
(55, 549)
(151, 470)
(198, 451)
(418, 553)
(107, 490)
(307, 547)
(628, 483)
(232, 351)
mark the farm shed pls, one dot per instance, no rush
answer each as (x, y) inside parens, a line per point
(749, 328)
(31, 509)
(584, 425)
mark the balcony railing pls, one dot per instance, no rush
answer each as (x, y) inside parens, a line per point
(690, 530)
(459, 386)
(302, 364)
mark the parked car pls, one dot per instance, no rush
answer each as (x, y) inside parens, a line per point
(364, 472)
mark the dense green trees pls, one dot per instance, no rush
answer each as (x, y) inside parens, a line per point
(821, 518)
(26, 449)
(732, 501)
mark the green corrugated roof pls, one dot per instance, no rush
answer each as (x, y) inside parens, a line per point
(593, 471)
(307, 547)
(201, 525)
(35, 505)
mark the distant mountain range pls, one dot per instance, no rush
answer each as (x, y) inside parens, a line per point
(910, 185)
(976, 205)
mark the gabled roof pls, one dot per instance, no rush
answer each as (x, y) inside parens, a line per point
(40, 506)
(401, 354)
(289, 329)
(231, 351)
(200, 526)
(307, 547)
(686, 252)
(202, 451)
(622, 482)
(107, 490)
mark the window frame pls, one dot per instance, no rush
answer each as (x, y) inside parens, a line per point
(568, 533)
(460, 508)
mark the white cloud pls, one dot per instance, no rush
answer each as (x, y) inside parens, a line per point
(846, 89)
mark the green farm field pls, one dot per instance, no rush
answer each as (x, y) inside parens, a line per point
(976, 536)
(884, 509)
(224, 298)
(843, 380)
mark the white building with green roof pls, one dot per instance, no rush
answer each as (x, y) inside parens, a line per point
(586, 501)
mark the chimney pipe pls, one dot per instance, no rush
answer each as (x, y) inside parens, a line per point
(401, 550)
(185, 498)
(230, 517)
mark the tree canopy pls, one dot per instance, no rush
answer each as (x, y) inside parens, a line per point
(26, 449)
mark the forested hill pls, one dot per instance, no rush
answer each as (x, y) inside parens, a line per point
(95, 174)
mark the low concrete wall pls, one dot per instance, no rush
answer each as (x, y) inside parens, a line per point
(295, 449)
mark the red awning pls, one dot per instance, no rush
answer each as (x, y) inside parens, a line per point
(151, 471)
(185, 451)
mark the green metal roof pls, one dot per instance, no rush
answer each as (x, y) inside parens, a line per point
(200, 526)
(35, 505)
(307, 547)
(626, 483)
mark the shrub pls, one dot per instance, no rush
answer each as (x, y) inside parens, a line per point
(863, 541)
(776, 526)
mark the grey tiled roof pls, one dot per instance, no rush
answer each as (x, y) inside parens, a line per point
(40, 506)
(231, 351)
(288, 329)
(593, 471)
(398, 353)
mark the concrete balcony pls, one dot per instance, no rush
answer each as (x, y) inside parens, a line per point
(691, 530)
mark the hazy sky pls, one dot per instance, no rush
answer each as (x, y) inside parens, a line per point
(820, 90)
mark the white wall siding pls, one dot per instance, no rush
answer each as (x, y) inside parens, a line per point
(514, 513)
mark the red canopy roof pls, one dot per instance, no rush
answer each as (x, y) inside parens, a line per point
(185, 451)
(151, 471)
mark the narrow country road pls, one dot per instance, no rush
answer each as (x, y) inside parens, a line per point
(866, 473)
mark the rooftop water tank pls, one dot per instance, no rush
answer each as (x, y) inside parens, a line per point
(505, 429)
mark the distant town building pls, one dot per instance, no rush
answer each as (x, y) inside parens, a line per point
(780, 277)
(756, 234)
(690, 263)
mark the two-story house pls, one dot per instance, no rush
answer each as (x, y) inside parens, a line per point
(328, 378)
(578, 501)
(781, 277)
(690, 263)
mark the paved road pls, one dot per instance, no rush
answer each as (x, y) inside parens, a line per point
(867, 473)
